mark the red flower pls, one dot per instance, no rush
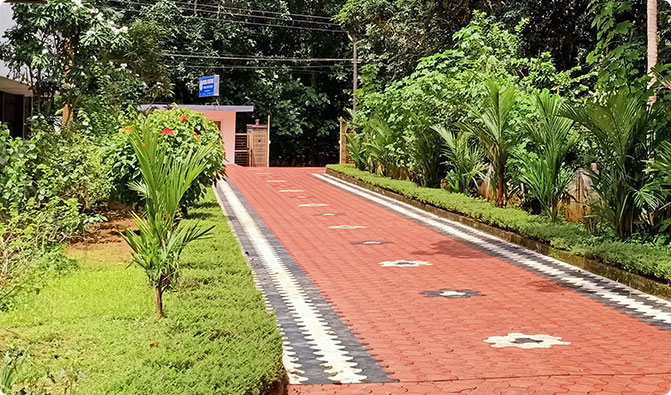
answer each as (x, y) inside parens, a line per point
(168, 131)
(183, 119)
(144, 144)
(197, 136)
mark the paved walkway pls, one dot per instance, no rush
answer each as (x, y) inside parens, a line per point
(375, 296)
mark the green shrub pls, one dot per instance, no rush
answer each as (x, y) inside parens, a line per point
(183, 130)
(48, 181)
(646, 259)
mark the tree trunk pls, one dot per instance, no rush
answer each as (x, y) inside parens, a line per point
(158, 299)
(500, 190)
(553, 209)
(652, 34)
(652, 44)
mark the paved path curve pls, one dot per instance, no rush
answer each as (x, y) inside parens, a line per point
(375, 296)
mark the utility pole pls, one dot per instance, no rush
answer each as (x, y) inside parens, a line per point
(355, 71)
(355, 76)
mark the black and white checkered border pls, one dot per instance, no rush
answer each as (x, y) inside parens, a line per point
(647, 308)
(306, 358)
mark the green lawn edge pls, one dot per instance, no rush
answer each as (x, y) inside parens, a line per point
(95, 327)
(643, 259)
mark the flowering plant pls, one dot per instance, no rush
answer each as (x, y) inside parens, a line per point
(180, 131)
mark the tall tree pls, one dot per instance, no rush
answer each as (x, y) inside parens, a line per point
(262, 51)
(652, 33)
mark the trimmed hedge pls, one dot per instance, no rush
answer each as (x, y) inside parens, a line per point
(94, 330)
(645, 259)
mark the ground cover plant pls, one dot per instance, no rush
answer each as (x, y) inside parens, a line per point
(93, 331)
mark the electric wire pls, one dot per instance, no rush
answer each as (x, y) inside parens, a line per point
(307, 28)
(225, 7)
(259, 58)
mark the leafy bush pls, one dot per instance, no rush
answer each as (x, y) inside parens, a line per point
(646, 259)
(181, 131)
(384, 147)
(356, 150)
(424, 149)
(48, 182)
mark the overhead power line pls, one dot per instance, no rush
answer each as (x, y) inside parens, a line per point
(232, 13)
(279, 67)
(184, 9)
(259, 58)
(233, 67)
(225, 7)
(254, 66)
(264, 11)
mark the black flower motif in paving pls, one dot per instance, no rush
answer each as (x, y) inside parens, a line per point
(452, 293)
(371, 242)
(525, 340)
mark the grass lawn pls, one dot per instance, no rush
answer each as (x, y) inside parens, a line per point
(645, 259)
(93, 330)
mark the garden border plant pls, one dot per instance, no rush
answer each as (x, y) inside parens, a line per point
(647, 260)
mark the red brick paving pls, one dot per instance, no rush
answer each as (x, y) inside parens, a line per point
(435, 345)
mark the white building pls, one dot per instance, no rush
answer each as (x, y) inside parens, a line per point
(15, 96)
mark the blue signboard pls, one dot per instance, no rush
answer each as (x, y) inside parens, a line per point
(208, 86)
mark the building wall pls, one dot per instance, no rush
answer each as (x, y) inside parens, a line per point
(226, 122)
(15, 100)
(6, 21)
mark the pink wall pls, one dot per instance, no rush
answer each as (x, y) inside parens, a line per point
(227, 120)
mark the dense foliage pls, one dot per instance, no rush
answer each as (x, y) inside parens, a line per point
(72, 51)
(52, 185)
(264, 60)
(485, 91)
(181, 131)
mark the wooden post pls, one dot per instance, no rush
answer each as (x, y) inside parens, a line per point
(342, 147)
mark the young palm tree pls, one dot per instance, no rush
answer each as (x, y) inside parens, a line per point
(494, 130)
(165, 180)
(544, 173)
(464, 159)
(380, 146)
(622, 131)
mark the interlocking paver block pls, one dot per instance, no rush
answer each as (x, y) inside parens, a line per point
(439, 343)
